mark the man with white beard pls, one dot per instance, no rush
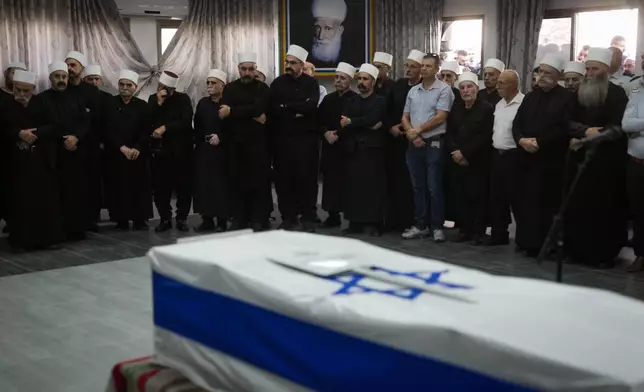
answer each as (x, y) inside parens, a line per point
(328, 17)
(596, 220)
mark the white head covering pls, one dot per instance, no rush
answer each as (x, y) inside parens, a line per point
(451, 66)
(261, 70)
(168, 80)
(346, 68)
(219, 74)
(57, 66)
(332, 9)
(132, 76)
(553, 60)
(382, 57)
(416, 55)
(370, 69)
(468, 76)
(575, 66)
(298, 52)
(496, 64)
(78, 56)
(93, 70)
(246, 57)
(17, 65)
(600, 55)
(25, 77)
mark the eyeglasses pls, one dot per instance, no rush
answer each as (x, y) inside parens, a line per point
(210, 83)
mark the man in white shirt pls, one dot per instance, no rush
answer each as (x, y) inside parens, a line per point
(502, 197)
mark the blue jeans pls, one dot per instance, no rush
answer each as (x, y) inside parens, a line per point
(426, 170)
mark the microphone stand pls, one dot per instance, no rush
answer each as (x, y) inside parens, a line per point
(556, 233)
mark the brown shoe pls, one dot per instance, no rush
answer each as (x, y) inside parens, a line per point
(637, 266)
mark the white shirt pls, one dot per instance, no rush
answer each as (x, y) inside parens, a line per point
(633, 122)
(322, 94)
(504, 114)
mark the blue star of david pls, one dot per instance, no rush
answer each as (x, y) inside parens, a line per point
(351, 284)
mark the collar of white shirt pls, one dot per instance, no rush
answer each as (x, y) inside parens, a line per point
(517, 99)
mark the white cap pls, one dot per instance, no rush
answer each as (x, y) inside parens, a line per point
(553, 60)
(132, 76)
(261, 70)
(370, 69)
(298, 52)
(219, 74)
(346, 68)
(93, 70)
(468, 76)
(416, 55)
(25, 77)
(17, 65)
(332, 9)
(168, 81)
(496, 64)
(600, 55)
(451, 66)
(58, 66)
(246, 57)
(575, 66)
(78, 56)
(382, 57)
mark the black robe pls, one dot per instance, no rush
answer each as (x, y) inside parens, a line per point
(453, 197)
(34, 201)
(544, 116)
(249, 162)
(211, 192)
(490, 97)
(333, 160)
(470, 131)
(176, 115)
(385, 89)
(365, 198)
(73, 118)
(595, 222)
(4, 161)
(400, 194)
(128, 182)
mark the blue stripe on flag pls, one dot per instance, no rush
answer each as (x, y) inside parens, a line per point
(309, 355)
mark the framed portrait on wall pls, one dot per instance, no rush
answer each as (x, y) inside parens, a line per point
(330, 30)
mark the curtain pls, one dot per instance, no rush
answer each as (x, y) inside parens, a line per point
(211, 36)
(39, 32)
(519, 23)
(403, 25)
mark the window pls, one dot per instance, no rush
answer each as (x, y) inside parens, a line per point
(555, 37)
(167, 31)
(462, 41)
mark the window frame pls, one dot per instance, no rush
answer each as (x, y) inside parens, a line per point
(165, 24)
(469, 17)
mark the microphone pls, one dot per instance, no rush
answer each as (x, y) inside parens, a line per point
(608, 134)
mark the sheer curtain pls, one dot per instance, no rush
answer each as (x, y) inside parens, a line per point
(403, 25)
(211, 36)
(39, 32)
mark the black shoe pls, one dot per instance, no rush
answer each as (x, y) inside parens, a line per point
(238, 225)
(496, 241)
(182, 225)
(222, 225)
(353, 229)
(308, 227)
(532, 253)
(332, 221)
(463, 237)
(123, 226)
(287, 224)
(478, 240)
(93, 228)
(374, 231)
(164, 226)
(140, 226)
(256, 227)
(206, 225)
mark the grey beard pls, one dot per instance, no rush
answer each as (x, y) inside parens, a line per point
(592, 93)
(327, 52)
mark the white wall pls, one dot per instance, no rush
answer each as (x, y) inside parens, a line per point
(145, 33)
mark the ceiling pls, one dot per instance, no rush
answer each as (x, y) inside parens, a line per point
(173, 8)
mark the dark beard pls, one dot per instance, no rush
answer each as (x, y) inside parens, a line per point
(592, 93)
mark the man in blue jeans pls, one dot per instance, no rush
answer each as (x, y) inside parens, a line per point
(424, 121)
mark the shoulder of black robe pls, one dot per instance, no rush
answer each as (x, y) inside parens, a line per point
(207, 119)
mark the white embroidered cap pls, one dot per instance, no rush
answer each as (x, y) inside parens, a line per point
(382, 57)
(219, 74)
(369, 69)
(168, 81)
(25, 77)
(600, 55)
(575, 66)
(451, 66)
(132, 76)
(78, 56)
(346, 68)
(246, 57)
(553, 60)
(298, 52)
(468, 76)
(332, 9)
(93, 70)
(58, 66)
(496, 64)
(17, 65)
(416, 55)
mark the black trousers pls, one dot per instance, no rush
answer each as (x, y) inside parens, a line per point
(171, 173)
(296, 176)
(502, 191)
(635, 186)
